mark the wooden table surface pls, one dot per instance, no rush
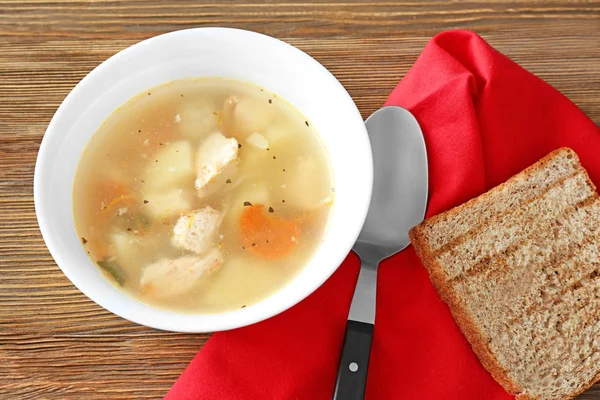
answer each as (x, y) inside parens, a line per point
(54, 342)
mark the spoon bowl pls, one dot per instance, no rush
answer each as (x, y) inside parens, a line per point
(400, 184)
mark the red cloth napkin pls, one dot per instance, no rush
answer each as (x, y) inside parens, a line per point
(484, 119)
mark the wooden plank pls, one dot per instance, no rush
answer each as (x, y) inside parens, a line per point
(54, 342)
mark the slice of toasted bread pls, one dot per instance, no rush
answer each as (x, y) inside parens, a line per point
(519, 267)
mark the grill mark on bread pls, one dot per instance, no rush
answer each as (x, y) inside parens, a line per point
(487, 222)
(492, 241)
(483, 265)
(557, 298)
(594, 275)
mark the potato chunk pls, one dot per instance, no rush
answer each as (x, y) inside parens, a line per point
(197, 119)
(278, 132)
(258, 140)
(170, 166)
(307, 186)
(166, 204)
(242, 116)
(126, 247)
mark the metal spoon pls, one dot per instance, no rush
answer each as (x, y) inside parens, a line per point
(398, 203)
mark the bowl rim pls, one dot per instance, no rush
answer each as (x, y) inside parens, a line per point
(242, 319)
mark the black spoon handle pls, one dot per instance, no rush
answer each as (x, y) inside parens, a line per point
(354, 363)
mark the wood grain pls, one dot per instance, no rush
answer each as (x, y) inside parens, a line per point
(54, 342)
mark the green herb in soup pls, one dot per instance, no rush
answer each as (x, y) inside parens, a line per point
(203, 195)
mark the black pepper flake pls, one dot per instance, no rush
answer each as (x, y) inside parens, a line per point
(149, 93)
(243, 248)
(270, 101)
(267, 240)
(88, 252)
(306, 122)
(182, 95)
(146, 202)
(239, 145)
(228, 181)
(143, 181)
(271, 209)
(156, 160)
(244, 306)
(160, 144)
(83, 240)
(129, 229)
(253, 244)
(215, 113)
(268, 149)
(284, 170)
(247, 204)
(274, 158)
(283, 201)
(139, 131)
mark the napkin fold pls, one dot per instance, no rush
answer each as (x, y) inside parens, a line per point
(484, 119)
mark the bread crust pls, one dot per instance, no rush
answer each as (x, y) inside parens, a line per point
(439, 279)
(588, 385)
(519, 176)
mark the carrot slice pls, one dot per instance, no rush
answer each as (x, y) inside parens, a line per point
(111, 194)
(117, 201)
(268, 236)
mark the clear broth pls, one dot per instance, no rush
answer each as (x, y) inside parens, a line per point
(126, 204)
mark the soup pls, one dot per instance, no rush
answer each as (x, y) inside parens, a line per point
(203, 195)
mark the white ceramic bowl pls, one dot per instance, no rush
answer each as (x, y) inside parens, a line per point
(268, 62)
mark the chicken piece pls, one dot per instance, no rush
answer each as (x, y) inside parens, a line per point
(196, 230)
(167, 277)
(215, 153)
(222, 183)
